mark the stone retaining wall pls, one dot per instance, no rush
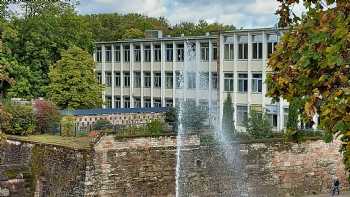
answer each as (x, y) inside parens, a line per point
(146, 166)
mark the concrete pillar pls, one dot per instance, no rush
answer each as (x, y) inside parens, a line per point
(103, 74)
(162, 73)
(142, 76)
(113, 76)
(221, 79)
(250, 57)
(198, 63)
(131, 68)
(121, 76)
(152, 75)
(174, 73)
(235, 78)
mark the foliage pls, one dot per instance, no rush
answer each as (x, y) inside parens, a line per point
(312, 63)
(22, 119)
(5, 120)
(46, 115)
(293, 114)
(171, 117)
(155, 127)
(73, 82)
(193, 116)
(302, 135)
(46, 28)
(258, 125)
(67, 126)
(102, 125)
(227, 118)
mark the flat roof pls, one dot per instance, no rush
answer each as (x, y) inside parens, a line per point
(214, 35)
(108, 111)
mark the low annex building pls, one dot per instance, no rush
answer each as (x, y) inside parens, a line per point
(117, 116)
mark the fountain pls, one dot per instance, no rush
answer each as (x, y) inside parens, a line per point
(229, 150)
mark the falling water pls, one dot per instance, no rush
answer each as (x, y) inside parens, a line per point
(230, 151)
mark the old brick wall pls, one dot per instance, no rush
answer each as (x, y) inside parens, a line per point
(41, 170)
(147, 167)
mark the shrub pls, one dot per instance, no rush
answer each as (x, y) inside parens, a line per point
(46, 115)
(22, 121)
(102, 125)
(171, 117)
(155, 127)
(193, 116)
(67, 125)
(258, 126)
(227, 118)
(5, 120)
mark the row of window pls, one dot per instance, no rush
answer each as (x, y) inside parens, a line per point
(137, 102)
(191, 82)
(256, 82)
(257, 50)
(169, 53)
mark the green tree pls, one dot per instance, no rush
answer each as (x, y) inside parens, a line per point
(73, 82)
(293, 114)
(227, 117)
(312, 63)
(258, 125)
(22, 119)
(102, 125)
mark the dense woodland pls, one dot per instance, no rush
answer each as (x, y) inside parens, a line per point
(33, 41)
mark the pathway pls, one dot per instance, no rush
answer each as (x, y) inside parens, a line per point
(343, 194)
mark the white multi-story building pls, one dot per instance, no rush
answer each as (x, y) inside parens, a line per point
(144, 72)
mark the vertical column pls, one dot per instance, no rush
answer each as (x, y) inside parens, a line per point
(210, 97)
(264, 66)
(113, 76)
(121, 76)
(250, 56)
(221, 79)
(315, 120)
(162, 73)
(103, 74)
(174, 72)
(197, 69)
(235, 77)
(152, 76)
(131, 68)
(142, 77)
(281, 115)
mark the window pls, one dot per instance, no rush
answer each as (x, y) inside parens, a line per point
(215, 51)
(117, 79)
(117, 53)
(168, 80)
(271, 113)
(108, 53)
(137, 79)
(126, 102)
(117, 102)
(228, 52)
(242, 114)
(108, 102)
(256, 83)
(147, 79)
(168, 102)
(98, 54)
(257, 47)
(157, 80)
(169, 52)
(228, 82)
(242, 82)
(180, 52)
(137, 53)
(204, 80)
(214, 80)
(99, 77)
(147, 51)
(243, 47)
(191, 84)
(126, 79)
(147, 102)
(271, 44)
(108, 79)
(126, 53)
(157, 102)
(137, 102)
(179, 80)
(157, 53)
(204, 51)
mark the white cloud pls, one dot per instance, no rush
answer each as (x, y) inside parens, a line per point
(241, 13)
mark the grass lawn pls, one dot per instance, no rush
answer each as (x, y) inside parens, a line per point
(72, 142)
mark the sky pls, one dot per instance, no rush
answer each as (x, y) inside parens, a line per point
(240, 13)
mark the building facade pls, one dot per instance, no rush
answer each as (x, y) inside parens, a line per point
(142, 73)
